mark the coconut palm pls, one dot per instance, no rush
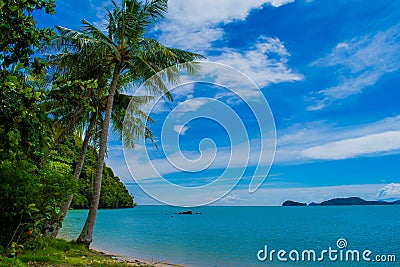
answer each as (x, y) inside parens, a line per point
(127, 52)
(92, 105)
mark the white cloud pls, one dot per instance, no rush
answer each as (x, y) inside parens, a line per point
(320, 140)
(276, 196)
(355, 147)
(184, 90)
(278, 3)
(297, 144)
(181, 129)
(207, 12)
(194, 25)
(101, 12)
(390, 191)
(265, 63)
(191, 161)
(236, 157)
(191, 105)
(362, 61)
(232, 199)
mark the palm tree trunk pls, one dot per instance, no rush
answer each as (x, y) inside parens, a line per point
(87, 232)
(78, 169)
(77, 114)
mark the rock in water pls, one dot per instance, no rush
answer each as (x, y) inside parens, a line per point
(184, 212)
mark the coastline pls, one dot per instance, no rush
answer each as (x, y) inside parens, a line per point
(129, 260)
(137, 261)
(151, 235)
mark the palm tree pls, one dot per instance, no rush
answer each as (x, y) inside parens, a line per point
(92, 106)
(127, 52)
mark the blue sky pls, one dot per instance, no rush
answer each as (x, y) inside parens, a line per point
(329, 70)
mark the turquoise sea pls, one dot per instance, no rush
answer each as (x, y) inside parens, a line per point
(233, 236)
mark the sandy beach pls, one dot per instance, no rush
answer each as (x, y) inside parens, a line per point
(137, 261)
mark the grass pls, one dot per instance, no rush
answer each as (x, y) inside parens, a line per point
(63, 253)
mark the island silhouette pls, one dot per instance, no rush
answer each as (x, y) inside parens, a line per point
(350, 201)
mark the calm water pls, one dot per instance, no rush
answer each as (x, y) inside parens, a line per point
(232, 236)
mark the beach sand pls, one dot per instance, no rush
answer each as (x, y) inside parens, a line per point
(132, 261)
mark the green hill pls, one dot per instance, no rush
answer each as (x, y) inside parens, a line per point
(113, 192)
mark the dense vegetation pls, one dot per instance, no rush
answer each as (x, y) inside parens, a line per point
(35, 176)
(32, 182)
(60, 95)
(113, 194)
(62, 253)
(120, 56)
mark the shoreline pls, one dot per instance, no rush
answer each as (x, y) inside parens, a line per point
(150, 236)
(137, 261)
(130, 260)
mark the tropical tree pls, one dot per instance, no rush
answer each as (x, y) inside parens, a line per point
(20, 35)
(127, 52)
(78, 106)
(31, 183)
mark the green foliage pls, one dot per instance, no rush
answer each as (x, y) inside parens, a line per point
(113, 192)
(31, 183)
(123, 55)
(21, 118)
(30, 197)
(68, 97)
(31, 186)
(36, 175)
(17, 45)
(22, 121)
(58, 252)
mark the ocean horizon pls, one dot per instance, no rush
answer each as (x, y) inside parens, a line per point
(225, 236)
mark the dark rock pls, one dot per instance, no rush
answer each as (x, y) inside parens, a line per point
(198, 212)
(184, 212)
(289, 203)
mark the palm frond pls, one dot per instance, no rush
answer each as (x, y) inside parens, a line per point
(153, 10)
(90, 53)
(97, 34)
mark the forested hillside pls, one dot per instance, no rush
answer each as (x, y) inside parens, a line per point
(62, 91)
(113, 194)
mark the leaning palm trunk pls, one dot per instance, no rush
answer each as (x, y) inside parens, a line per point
(87, 232)
(124, 48)
(78, 169)
(71, 124)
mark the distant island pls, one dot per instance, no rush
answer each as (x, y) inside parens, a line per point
(290, 203)
(350, 201)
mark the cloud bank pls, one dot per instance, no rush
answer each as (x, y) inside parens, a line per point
(362, 61)
(390, 191)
